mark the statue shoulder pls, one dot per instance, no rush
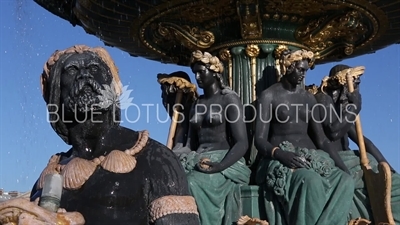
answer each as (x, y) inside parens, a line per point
(323, 98)
(231, 96)
(229, 91)
(156, 150)
(270, 92)
(310, 97)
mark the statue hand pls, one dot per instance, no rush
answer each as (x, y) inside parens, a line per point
(291, 160)
(206, 166)
(355, 98)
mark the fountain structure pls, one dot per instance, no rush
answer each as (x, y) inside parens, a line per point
(244, 34)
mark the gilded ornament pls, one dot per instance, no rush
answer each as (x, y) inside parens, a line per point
(252, 50)
(250, 21)
(341, 76)
(279, 50)
(304, 8)
(324, 83)
(355, 72)
(190, 37)
(225, 54)
(313, 89)
(325, 32)
(286, 60)
(207, 58)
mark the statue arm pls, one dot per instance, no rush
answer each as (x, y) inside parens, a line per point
(335, 127)
(169, 199)
(369, 146)
(181, 133)
(186, 135)
(263, 118)
(320, 139)
(235, 120)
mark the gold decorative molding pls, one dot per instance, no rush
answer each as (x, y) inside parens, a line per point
(258, 42)
(283, 17)
(211, 15)
(226, 56)
(322, 33)
(130, 26)
(252, 51)
(250, 21)
(304, 8)
(191, 37)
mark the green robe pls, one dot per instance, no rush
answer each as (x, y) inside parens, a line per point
(217, 195)
(361, 206)
(319, 195)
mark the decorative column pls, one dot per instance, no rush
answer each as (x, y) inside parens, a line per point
(250, 69)
(252, 51)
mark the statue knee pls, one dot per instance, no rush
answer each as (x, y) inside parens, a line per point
(308, 178)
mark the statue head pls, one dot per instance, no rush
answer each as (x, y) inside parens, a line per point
(335, 84)
(170, 84)
(78, 81)
(294, 64)
(207, 69)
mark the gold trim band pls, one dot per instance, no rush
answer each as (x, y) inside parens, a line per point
(265, 41)
(172, 204)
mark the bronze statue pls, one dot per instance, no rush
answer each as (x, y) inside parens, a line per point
(213, 154)
(111, 174)
(336, 98)
(340, 109)
(302, 185)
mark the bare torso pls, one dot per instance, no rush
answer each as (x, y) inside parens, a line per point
(290, 113)
(208, 121)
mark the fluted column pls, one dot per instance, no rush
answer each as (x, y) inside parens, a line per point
(250, 69)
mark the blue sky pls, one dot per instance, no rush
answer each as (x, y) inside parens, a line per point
(30, 34)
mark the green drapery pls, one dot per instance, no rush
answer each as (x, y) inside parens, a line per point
(217, 195)
(319, 195)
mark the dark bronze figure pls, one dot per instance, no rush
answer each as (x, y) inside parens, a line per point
(111, 174)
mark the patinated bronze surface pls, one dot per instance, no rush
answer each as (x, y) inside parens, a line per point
(213, 154)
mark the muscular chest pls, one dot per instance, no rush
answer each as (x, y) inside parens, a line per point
(293, 110)
(208, 113)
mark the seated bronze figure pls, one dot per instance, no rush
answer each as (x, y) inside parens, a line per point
(301, 184)
(340, 108)
(217, 140)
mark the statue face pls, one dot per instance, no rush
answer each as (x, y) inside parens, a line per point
(299, 72)
(204, 76)
(168, 98)
(338, 91)
(82, 79)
